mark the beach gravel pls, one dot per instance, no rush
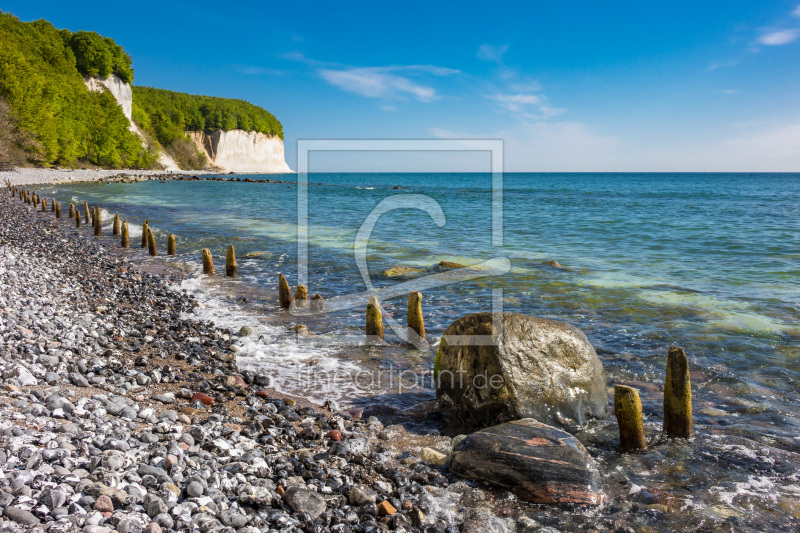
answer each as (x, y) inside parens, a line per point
(99, 362)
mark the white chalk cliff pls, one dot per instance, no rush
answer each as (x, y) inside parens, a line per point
(242, 151)
(123, 94)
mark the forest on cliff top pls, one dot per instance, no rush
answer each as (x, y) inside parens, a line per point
(48, 117)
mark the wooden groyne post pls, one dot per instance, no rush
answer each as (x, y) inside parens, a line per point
(231, 268)
(374, 327)
(151, 243)
(115, 226)
(416, 324)
(171, 245)
(628, 409)
(208, 263)
(144, 233)
(284, 292)
(126, 238)
(678, 396)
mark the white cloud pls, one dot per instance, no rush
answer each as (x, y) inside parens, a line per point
(550, 147)
(525, 105)
(381, 82)
(488, 52)
(776, 149)
(779, 38)
(796, 11)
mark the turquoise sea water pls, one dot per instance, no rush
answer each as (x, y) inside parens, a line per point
(710, 262)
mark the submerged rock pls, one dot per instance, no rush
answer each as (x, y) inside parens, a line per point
(521, 367)
(402, 271)
(538, 462)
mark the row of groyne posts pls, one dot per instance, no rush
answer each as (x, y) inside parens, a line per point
(627, 404)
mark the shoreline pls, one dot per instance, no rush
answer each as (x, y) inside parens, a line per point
(23, 176)
(102, 354)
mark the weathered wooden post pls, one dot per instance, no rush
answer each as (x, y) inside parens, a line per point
(628, 409)
(416, 324)
(301, 296)
(53, 204)
(58, 210)
(78, 218)
(317, 304)
(145, 227)
(88, 214)
(208, 263)
(231, 268)
(44, 205)
(71, 211)
(678, 396)
(98, 222)
(171, 245)
(374, 319)
(115, 226)
(151, 243)
(126, 237)
(93, 218)
(284, 292)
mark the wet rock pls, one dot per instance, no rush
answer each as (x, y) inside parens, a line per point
(534, 368)
(433, 457)
(305, 501)
(540, 463)
(246, 331)
(359, 495)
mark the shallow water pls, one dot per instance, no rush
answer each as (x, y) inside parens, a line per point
(709, 262)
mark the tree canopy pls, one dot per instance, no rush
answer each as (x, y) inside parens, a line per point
(167, 115)
(56, 119)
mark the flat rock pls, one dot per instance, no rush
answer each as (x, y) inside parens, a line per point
(305, 501)
(21, 516)
(540, 463)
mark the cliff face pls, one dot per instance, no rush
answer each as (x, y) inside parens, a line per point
(124, 97)
(242, 151)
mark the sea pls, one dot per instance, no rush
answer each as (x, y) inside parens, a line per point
(638, 262)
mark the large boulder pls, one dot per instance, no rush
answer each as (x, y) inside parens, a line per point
(538, 462)
(520, 367)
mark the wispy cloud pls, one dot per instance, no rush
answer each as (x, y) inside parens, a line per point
(492, 53)
(525, 105)
(377, 83)
(258, 71)
(392, 82)
(779, 38)
(796, 11)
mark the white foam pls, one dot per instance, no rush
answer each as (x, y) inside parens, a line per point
(302, 366)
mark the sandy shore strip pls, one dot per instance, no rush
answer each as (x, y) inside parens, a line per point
(50, 176)
(121, 412)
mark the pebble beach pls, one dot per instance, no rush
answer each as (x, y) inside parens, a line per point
(121, 412)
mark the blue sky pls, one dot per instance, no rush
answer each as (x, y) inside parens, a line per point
(578, 86)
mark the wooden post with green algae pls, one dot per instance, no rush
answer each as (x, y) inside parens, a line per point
(208, 263)
(151, 243)
(628, 409)
(231, 268)
(678, 396)
(284, 292)
(374, 319)
(171, 244)
(145, 227)
(416, 323)
(98, 222)
(115, 226)
(125, 242)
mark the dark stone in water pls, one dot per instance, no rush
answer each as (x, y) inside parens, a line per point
(538, 462)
